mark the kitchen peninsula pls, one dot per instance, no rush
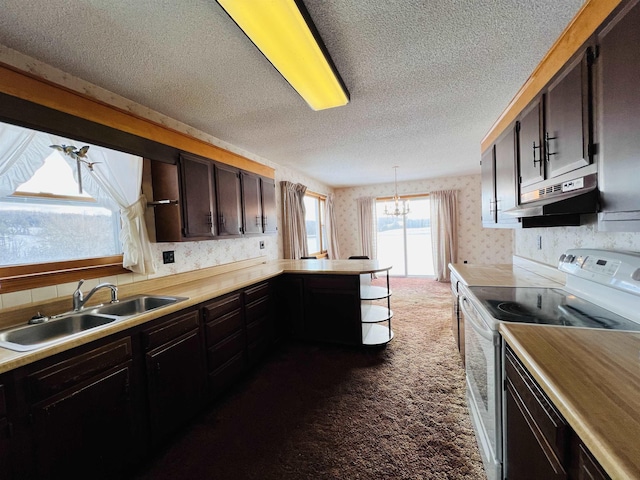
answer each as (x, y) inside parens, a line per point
(119, 390)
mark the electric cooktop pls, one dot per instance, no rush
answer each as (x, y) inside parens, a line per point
(548, 306)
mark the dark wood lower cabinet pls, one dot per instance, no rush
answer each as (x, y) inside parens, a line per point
(175, 373)
(331, 311)
(5, 434)
(259, 320)
(86, 432)
(588, 467)
(96, 411)
(226, 341)
(539, 443)
(83, 418)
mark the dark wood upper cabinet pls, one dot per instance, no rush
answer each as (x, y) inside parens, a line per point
(487, 171)
(251, 203)
(531, 151)
(229, 200)
(506, 187)
(619, 121)
(567, 136)
(198, 199)
(269, 212)
(499, 188)
(555, 136)
(165, 182)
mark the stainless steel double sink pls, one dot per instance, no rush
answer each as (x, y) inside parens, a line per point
(68, 325)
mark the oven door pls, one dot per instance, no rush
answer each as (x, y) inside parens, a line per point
(483, 372)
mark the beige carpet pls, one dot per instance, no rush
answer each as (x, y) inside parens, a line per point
(328, 412)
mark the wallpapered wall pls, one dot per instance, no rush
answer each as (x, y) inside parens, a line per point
(188, 255)
(556, 240)
(476, 245)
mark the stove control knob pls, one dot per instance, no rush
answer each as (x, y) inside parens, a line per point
(569, 258)
(562, 257)
(636, 275)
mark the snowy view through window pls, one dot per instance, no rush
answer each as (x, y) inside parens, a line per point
(47, 220)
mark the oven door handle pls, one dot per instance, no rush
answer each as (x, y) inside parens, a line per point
(475, 320)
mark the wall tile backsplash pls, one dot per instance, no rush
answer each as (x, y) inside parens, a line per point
(558, 239)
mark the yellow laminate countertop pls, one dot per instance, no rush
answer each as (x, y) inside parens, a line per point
(197, 291)
(499, 275)
(593, 378)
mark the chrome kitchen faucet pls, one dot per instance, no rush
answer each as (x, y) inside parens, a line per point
(79, 299)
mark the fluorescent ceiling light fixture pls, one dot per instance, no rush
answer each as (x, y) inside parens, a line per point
(284, 33)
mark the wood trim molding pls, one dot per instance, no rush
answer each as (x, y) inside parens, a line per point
(583, 25)
(25, 277)
(29, 87)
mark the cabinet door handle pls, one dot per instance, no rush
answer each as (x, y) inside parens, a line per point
(539, 160)
(546, 145)
(209, 220)
(257, 220)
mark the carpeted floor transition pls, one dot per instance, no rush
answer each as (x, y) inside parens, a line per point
(330, 412)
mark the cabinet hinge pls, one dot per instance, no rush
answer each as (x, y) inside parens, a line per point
(592, 150)
(592, 54)
(518, 126)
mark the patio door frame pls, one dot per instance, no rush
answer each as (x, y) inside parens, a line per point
(387, 200)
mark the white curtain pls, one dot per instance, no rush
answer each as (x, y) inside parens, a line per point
(333, 249)
(444, 231)
(22, 152)
(114, 182)
(294, 228)
(119, 175)
(367, 226)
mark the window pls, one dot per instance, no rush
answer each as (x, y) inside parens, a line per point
(49, 229)
(405, 241)
(314, 205)
(48, 220)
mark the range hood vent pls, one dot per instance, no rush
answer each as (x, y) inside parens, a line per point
(568, 199)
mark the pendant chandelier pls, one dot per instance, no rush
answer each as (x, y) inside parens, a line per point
(400, 207)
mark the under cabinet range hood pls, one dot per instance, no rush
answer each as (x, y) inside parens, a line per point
(559, 204)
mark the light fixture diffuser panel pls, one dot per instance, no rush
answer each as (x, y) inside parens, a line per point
(279, 29)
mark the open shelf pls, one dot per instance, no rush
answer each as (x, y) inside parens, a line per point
(375, 318)
(375, 314)
(375, 334)
(369, 292)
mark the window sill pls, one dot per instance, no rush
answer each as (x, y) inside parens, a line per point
(26, 277)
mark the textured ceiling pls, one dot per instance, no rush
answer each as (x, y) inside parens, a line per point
(427, 78)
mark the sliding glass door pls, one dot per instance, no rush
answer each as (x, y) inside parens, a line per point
(405, 241)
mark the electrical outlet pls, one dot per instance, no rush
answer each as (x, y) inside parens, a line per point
(261, 245)
(168, 257)
(539, 240)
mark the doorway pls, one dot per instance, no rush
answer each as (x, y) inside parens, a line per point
(404, 241)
